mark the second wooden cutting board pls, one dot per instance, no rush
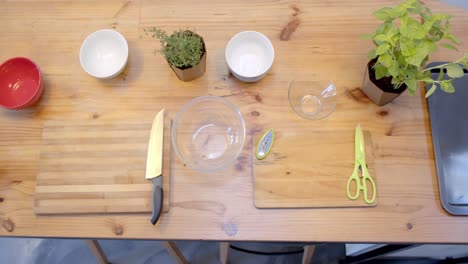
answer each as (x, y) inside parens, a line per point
(97, 166)
(329, 158)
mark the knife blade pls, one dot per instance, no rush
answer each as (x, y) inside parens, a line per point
(154, 164)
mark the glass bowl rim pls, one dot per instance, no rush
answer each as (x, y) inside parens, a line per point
(308, 117)
(193, 102)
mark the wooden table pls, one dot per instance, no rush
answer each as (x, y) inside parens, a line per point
(310, 37)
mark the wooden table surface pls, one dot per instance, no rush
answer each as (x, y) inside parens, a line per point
(311, 38)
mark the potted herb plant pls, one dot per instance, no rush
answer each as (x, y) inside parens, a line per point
(184, 51)
(408, 34)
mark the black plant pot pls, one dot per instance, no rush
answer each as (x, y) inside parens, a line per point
(381, 91)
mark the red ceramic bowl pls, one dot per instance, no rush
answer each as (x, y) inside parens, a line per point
(20, 83)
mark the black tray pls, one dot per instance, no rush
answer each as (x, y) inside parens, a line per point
(449, 124)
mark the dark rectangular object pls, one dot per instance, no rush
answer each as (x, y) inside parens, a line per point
(449, 124)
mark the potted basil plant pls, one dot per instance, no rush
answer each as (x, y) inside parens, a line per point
(184, 51)
(408, 34)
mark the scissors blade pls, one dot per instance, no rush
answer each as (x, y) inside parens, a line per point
(359, 150)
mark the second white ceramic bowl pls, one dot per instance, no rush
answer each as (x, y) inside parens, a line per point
(104, 54)
(249, 56)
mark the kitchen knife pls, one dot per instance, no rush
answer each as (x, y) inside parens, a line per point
(154, 164)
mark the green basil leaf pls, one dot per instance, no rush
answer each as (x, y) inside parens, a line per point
(427, 74)
(404, 24)
(417, 59)
(388, 13)
(449, 46)
(423, 75)
(411, 73)
(392, 32)
(427, 80)
(454, 70)
(440, 77)
(380, 71)
(424, 62)
(386, 60)
(421, 54)
(381, 38)
(447, 17)
(432, 90)
(428, 23)
(447, 87)
(412, 29)
(382, 49)
(452, 38)
(416, 6)
(412, 85)
(465, 64)
(401, 59)
(436, 34)
(430, 45)
(407, 47)
(371, 55)
(384, 27)
(464, 61)
(427, 11)
(394, 69)
(382, 14)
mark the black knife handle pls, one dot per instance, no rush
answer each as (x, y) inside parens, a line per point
(157, 203)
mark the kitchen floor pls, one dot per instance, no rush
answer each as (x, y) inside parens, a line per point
(75, 251)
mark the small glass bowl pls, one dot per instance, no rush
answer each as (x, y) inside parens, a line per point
(312, 99)
(208, 133)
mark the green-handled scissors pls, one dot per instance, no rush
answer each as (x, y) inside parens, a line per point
(360, 165)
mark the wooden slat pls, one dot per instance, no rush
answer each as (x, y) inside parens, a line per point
(97, 167)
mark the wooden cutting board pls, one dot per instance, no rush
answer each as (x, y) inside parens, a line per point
(329, 158)
(98, 167)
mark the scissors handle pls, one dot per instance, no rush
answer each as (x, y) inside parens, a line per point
(366, 178)
(354, 177)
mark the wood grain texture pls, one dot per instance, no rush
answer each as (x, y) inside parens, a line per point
(325, 42)
(327, 161)
(97, 167)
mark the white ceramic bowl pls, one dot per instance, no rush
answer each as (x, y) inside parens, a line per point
(249, 55)
(104, 54)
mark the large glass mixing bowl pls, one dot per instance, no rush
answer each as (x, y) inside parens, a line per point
(208, 133)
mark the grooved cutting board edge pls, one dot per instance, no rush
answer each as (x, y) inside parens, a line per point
(98, 167)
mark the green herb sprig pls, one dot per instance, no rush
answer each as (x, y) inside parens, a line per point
(408, 34)
(183, 49)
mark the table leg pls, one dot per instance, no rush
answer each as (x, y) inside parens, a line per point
(97, 251)
(223, 252)
(308, 253)
(174, 251)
